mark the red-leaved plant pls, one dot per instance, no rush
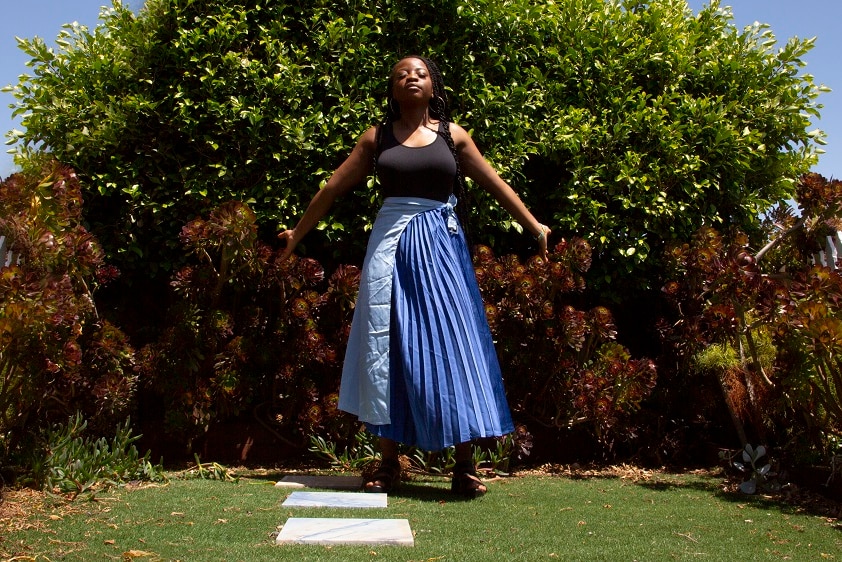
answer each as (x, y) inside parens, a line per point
(562, 366)
(57, 356)
(249, 333)
(723, 297)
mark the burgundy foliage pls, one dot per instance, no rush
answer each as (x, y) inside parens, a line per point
(57, 356)
(725, 293)
(249, 334)
(562, 366)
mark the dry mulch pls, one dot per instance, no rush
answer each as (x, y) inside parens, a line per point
(21, 508)
(26, 509)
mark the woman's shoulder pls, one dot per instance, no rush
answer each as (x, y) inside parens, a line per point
(370, 133)
(368, 139)
(460, 136)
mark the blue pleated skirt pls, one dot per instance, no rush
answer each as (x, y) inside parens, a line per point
(446, 386)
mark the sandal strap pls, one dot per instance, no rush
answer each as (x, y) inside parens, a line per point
(389, 468)
(466, 483)
(464, 467)
(388, 473)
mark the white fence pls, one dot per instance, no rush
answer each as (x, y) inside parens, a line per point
(6, 256)
(832, 255)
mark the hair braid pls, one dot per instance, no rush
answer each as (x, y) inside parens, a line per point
(439, 109)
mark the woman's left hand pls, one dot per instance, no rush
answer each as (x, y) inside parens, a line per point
(542, 241)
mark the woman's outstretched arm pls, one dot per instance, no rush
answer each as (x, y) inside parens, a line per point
(476, 167)
(350, 173)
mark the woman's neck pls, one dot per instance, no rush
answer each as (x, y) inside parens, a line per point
(413, 118)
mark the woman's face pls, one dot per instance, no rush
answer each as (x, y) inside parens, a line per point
(411, 81)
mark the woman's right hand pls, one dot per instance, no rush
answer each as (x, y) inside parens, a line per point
(287, 236)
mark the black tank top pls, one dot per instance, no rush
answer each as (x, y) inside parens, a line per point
(424, 171)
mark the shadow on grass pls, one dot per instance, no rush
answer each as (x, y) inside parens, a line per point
(788, 500)
(436, 488)
(708, 486)
(277, 474)
(424, 488)
(428, 492)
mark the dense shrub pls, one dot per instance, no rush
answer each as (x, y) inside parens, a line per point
(57, 356)
(767, 324)
(562, 365)
(627, 123)
(248, 333)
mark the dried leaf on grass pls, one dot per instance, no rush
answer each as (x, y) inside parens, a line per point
(132, 554)
(27, 509)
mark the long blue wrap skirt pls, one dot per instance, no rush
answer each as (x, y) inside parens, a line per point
(445, 386)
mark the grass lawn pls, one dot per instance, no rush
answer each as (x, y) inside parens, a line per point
(536, 516)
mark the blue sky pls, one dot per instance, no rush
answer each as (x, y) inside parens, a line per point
(803, 19)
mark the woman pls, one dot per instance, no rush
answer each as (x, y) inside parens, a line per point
(420, 368)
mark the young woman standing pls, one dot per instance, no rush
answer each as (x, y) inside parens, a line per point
(420, 367)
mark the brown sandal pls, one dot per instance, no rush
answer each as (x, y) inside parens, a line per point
(465, 481)
(386, 478)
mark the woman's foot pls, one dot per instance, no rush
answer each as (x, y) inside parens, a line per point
(386, 478)
(465, 481)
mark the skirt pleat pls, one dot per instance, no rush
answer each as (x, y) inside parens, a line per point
(445, 382)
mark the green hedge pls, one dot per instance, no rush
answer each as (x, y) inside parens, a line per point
(628, 123)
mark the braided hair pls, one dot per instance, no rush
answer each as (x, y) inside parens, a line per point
(438, 109)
